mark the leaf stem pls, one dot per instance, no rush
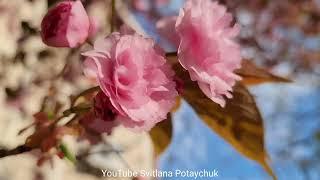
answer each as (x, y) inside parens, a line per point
(83, 93)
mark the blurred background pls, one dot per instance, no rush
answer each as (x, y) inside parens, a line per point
(282, 36)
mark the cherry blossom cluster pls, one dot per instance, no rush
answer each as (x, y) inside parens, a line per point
(138, 87)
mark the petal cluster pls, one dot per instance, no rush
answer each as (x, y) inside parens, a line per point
(134, 75)
(207, 49)
(65, 25)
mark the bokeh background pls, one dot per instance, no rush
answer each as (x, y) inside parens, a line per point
(282, 36)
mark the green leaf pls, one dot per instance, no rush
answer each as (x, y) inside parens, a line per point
(67, 153)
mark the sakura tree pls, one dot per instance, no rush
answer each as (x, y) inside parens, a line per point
(136, 84)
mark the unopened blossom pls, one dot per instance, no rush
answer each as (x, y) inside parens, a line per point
(103, 118)
(207, 49)
(65, 25)
(134, 75)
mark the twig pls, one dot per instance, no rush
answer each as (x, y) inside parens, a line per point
(18, 150)
(112, 18)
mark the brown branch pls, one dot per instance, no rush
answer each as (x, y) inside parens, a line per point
(112, 18)
(168, 54)
(18, 150)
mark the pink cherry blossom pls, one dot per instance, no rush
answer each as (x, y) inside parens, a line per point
(207, 49)
(65, 25)
(134, 75)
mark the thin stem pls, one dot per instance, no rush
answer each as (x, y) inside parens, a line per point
(113, 11)
(26, 128)
(90, 43)
(172, 58)
(77, 109)
(66, 65)
(171, 54)
(72, 120)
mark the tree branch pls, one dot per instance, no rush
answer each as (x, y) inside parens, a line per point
(18, 150)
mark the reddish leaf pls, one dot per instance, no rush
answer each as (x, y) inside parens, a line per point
(161, 135)
(239, 123)
(253, 75)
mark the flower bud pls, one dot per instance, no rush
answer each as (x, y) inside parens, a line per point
(65, 25)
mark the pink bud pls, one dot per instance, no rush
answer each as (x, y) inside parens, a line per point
(65, 25)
